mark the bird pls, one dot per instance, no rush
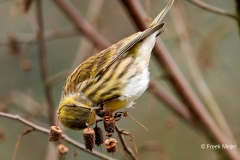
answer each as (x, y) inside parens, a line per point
(112, 78)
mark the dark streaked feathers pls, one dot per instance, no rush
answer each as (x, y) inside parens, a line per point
(97, 64)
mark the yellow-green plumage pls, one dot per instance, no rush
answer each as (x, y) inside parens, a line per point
(114, 77)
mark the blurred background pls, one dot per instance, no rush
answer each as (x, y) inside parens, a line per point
(198, 40)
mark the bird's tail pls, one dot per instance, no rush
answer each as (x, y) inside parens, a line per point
(161, 15)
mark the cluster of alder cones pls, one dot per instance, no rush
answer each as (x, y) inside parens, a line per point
(92, 136)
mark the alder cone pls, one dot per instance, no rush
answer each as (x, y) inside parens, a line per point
(99, 139)
(89, 138)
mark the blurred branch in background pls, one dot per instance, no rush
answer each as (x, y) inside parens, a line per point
(174, 104)
(26, 38)
(214, 9)
(2, 1)
(85, 45)
(25, 132)
(35, 127)
(152, 146)
(59, 77)
(211, 38)
(44, 63)
(27, 102)
(82, 24)
(194, 69)
(238, 12)
(45, 73)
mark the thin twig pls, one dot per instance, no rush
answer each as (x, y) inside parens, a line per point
(124, 144)
(25, 132)
(214, 9)
(122, 153)
(135, 146)
(75, 154)
(126, 114)
(46, 131)
(43, 63)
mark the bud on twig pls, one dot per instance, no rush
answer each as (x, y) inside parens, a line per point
(62, 149)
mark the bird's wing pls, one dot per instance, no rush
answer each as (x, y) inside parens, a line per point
(134, 40)
(98, 63)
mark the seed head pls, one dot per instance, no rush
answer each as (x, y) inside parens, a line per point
(55, 133)
(99, 136)
(89, 138)
(111, 145)
(109, 125)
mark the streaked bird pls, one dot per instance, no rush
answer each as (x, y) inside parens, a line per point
(113, 78)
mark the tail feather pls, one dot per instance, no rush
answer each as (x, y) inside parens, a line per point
(161, 15)
(160, 32)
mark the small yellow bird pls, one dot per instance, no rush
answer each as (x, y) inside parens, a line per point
(113, 78)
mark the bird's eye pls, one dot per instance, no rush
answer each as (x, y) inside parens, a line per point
(71, 105)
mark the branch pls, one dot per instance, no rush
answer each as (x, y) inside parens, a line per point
(82, 24)
(214, 9)
(43, 63)
(174, 104)
(25, 132)
(46, 131)
(123, 142)
(238, 12)
(92, 15)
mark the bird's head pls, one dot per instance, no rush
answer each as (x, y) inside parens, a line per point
(76, 111)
